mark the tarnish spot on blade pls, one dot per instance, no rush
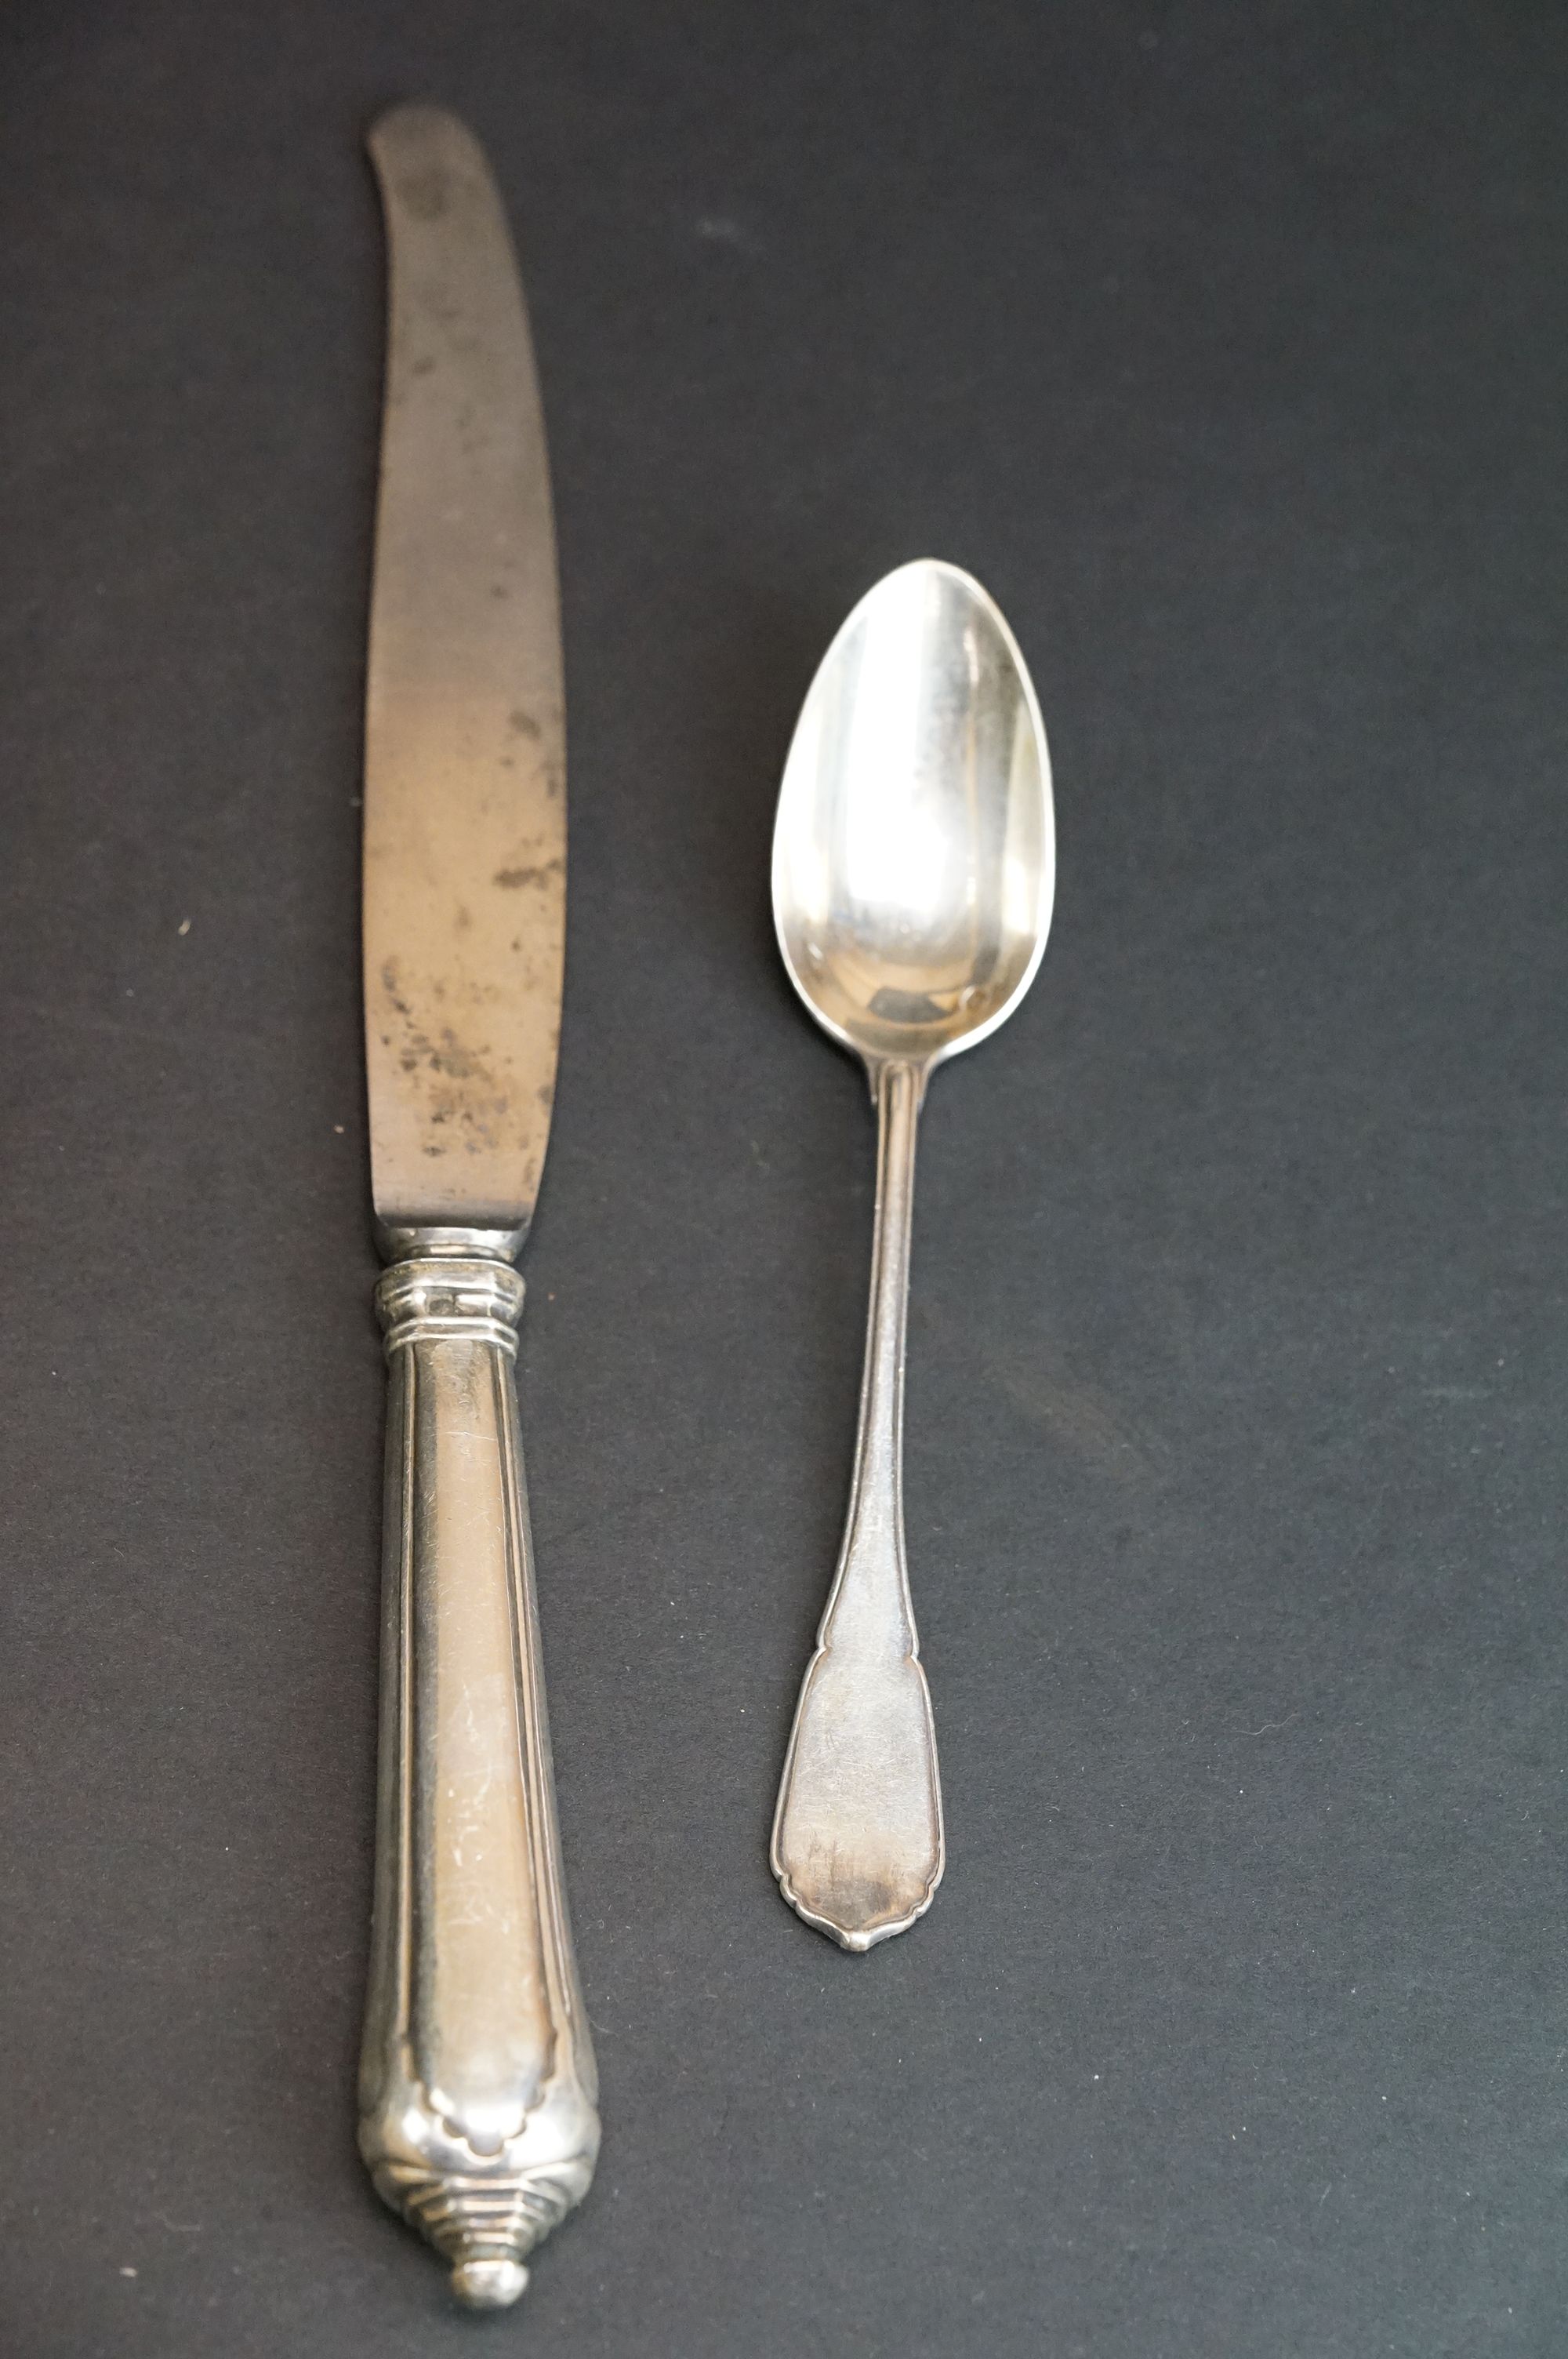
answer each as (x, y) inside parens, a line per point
(477, 1114)
(511, 879)
(521, 722)
(459, 1063)
(425, 193)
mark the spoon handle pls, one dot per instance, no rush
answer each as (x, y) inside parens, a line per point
(858, 1836)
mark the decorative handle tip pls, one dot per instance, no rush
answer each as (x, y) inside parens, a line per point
(489, 2285)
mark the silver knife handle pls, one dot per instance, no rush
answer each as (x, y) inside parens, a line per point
(478, 2091)
(858, 1846)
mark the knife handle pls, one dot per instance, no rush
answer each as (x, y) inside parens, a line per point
(478, 2091)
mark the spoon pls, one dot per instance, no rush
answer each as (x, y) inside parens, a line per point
(913, 871)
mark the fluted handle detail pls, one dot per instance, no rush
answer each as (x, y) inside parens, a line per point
(478, 2091)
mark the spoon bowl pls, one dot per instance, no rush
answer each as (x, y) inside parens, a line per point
(913, 854)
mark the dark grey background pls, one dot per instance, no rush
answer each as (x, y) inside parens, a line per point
(1227, 345)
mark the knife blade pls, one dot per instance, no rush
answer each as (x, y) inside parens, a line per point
(465, 833)
(478, 2094)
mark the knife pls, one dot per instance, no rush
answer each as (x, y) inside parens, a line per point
(477, 2093)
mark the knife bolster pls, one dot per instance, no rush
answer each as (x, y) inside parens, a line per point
(409, 1241)
(478, 2092)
